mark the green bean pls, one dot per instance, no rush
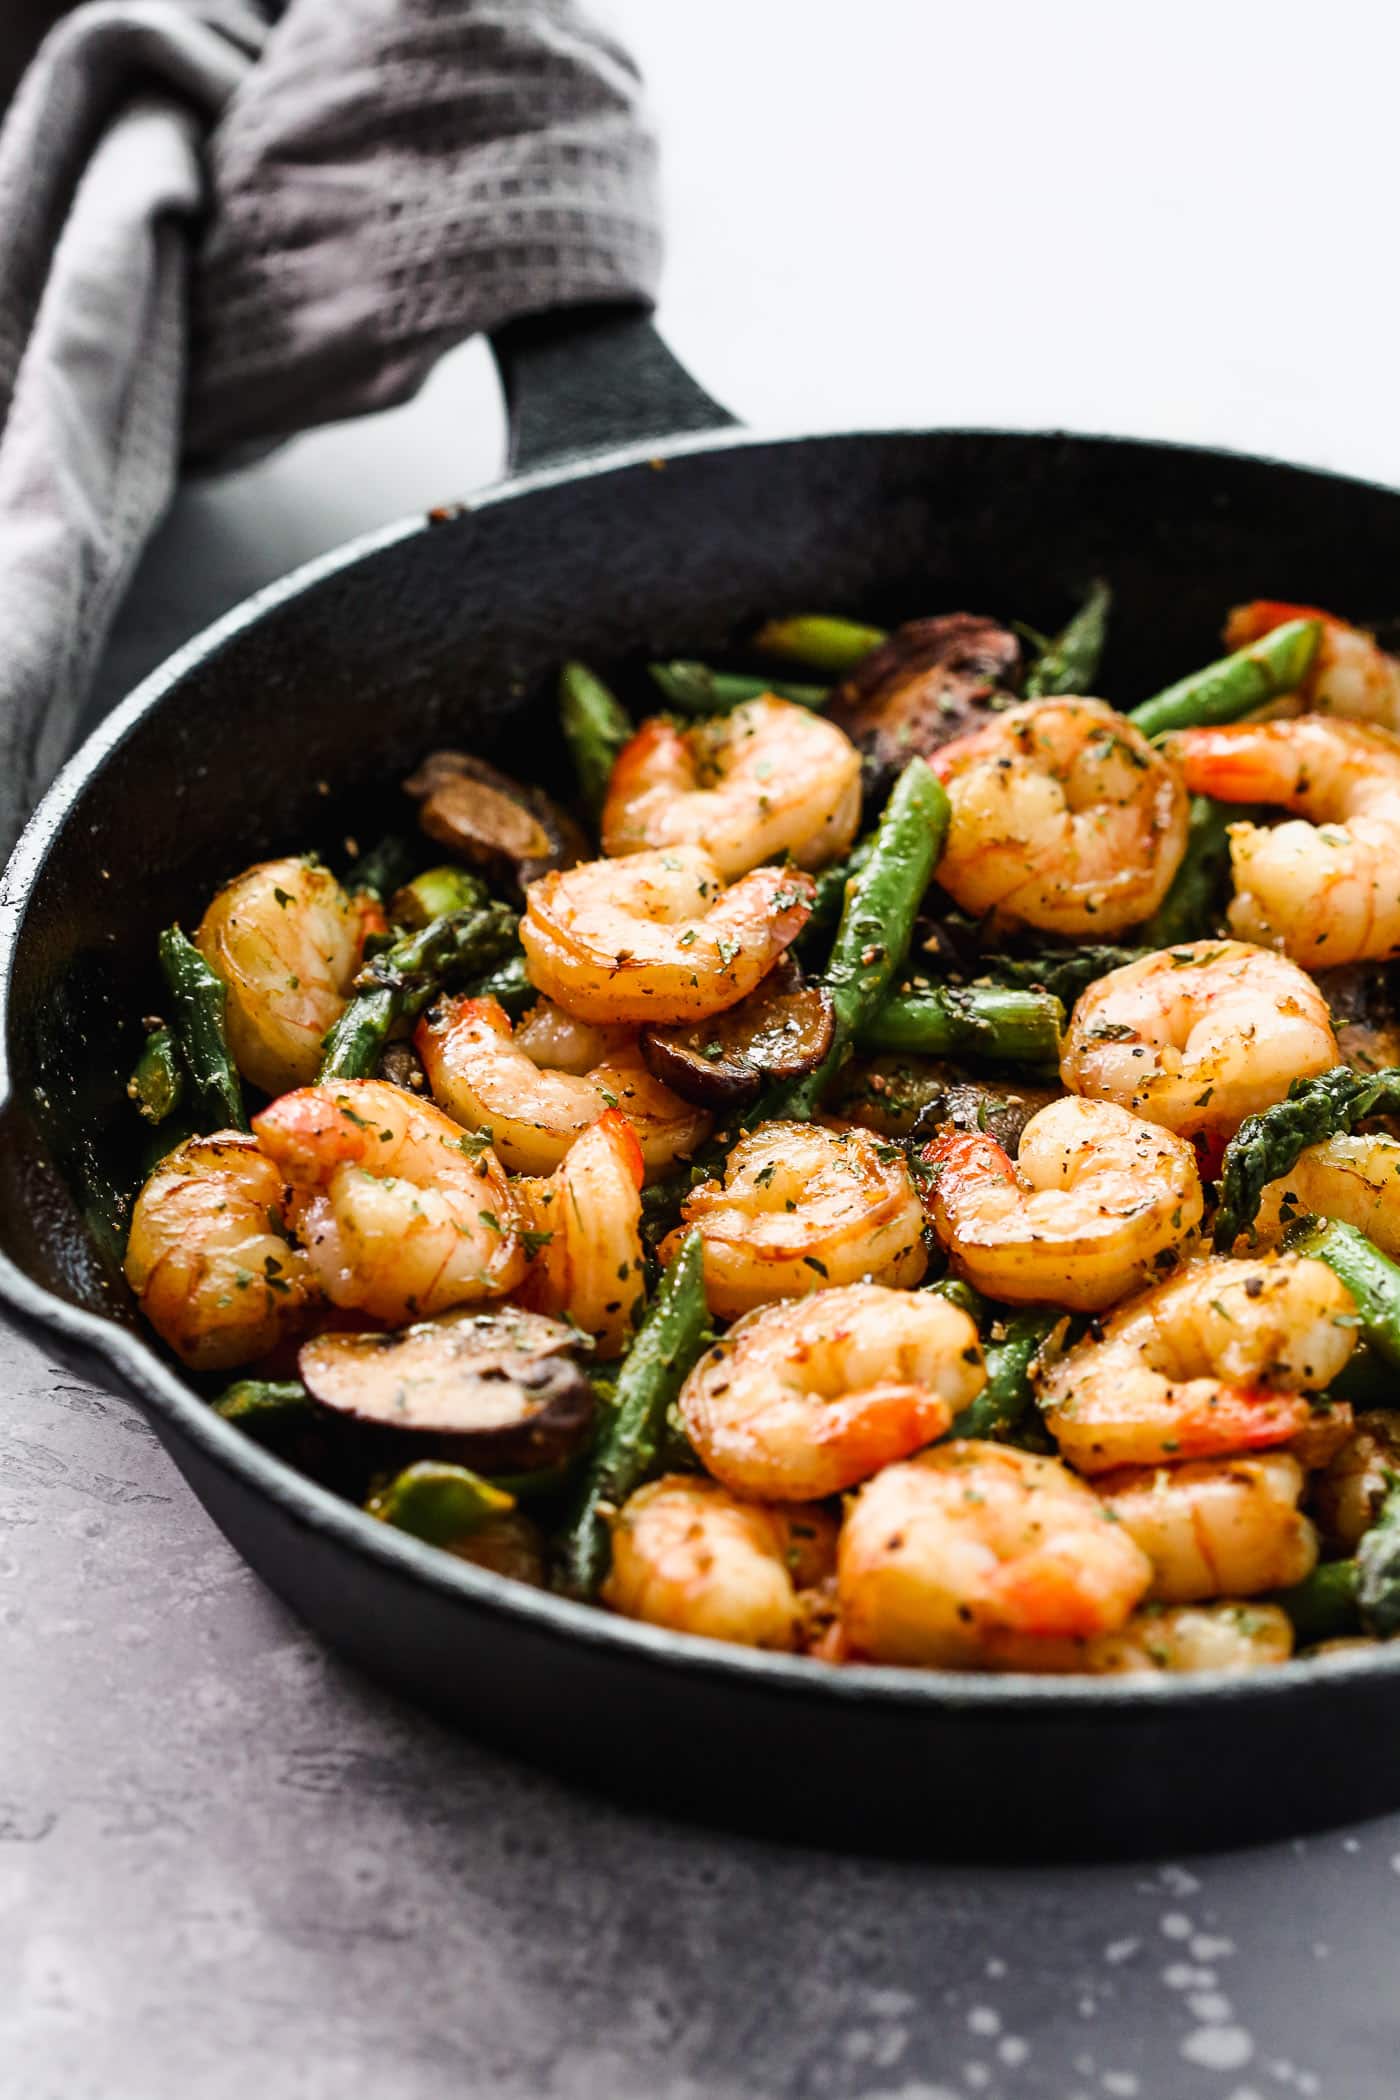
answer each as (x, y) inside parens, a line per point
(1235, 685)
(198, 998)
(1267, 1145)
(830, 899)
(819, 641)
(596, 726)
(668, 1342)
(157, 1085)
(695, 689)
(439, 1502)
(1070, 663)
(1185, 913)
(384, 868)
(873, 937)
(1324, 1605)
(435, 893)
(399, 982)
(976, 1020)
(1374, 1282)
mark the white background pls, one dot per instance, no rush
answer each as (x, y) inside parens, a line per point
(1176, 221)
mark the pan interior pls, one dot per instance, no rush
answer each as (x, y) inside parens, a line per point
(292, 729)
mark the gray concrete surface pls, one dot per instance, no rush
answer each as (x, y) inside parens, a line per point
(230, 1869)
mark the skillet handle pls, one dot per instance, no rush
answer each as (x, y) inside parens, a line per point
(590, 379)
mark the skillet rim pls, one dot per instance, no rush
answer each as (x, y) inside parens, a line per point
(140, 1371)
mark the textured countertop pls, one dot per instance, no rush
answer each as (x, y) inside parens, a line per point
(229, 1867)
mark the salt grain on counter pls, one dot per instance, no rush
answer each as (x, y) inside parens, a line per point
(1218, 2048)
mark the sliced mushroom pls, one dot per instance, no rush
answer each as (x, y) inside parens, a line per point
(783, 1029)
(498, 1391)
(1002, 1110)
(933, 680)
(494, 822)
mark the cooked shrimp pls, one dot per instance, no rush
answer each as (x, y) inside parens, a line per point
(800, 1206)
(1347, 1497)
(1063, 817)
(657, 937)
(584, 1234)
(803, 1399)
(764, 782)
(1095, 1204)
(286, 940)
(1197, 1038)
(1350, 675)
(1180, 1639)
(1355, 1179)
(1225, 1527)
(969, 1555)
(401, 1214)
(1322, 887)
(1214, 1361)
(208, 1256)
(480, 1073)
(689, 1555)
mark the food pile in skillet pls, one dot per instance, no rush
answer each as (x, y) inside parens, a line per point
(901, 1171)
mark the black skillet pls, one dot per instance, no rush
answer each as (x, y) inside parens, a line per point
(289, 723)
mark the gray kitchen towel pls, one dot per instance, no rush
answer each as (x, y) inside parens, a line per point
(223, 220)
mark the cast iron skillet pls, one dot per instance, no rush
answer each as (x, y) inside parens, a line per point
(289, 722)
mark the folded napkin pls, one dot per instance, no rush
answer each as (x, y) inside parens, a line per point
(222, 221)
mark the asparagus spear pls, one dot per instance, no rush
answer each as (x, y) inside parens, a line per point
(1184, 914)
(668, 1342)
(1063, 973)
(1374, 1282)
(872, 940)
(260, 1405)
(439, 1502)
(1268, 1144)
(383, 868)
(399, 982)
(1223, 691)
(596, 726)
(819, 641)
(695, 689)
(1006, 1398)
(1070, 663)
(1324, 1605)
(198, 998)
(157, 1085)
(434, 893)
(975, 1020)
(964, 1295)
(1343, 1597)
(509, 983)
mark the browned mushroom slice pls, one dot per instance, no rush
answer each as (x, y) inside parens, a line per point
(933, 680)
(499, 1391)
(493, 821)
(780, 1031)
